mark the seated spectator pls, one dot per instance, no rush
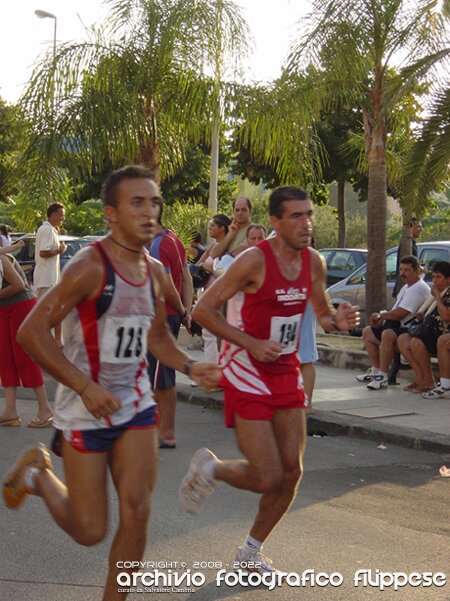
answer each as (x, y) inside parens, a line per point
(12, 247)
(380, 337)
(5, 239)
(419, 350)
(443, 355)
(196, 249)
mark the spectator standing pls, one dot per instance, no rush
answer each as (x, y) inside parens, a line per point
(380, 337)
(168, 248)
(236, 239)
(416, 230)
(419, 350)
(217, 230)
(47, 253)
(16, 366)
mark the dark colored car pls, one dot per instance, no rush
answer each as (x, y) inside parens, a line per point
(341, 262)
(25, 255)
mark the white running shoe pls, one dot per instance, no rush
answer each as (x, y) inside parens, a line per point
(252, 560)
(437, 393)
(197, 485)
(379, 381)
(368, 376)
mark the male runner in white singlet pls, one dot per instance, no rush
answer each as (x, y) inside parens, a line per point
(264, 396)
(111, 300)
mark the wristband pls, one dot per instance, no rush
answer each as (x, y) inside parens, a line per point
(188, 367)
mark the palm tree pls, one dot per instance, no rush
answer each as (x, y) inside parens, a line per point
(138, 91)
(361, 40)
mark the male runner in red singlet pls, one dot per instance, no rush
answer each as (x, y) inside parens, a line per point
(264, 396)
(111, 300)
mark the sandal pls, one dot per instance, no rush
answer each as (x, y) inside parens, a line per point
(40, 422)
(10, 421)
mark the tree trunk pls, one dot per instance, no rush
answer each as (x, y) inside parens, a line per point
(150, 157)
(376, 223)
(405, 241)
(342, 242)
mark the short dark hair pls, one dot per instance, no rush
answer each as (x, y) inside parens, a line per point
(4, 230)
(108, 192)
(222, 220)
(442, 267)
(249, 202)
(54, 208)
(282, 194)
(411, 260)
(414, 220)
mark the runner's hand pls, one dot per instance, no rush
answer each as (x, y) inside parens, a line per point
(265, 350)
(206, 375)
(347, 316)
(99, 401)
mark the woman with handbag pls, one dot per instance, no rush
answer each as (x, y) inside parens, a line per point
(431, 322)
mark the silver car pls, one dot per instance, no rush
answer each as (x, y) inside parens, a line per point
(353, 288)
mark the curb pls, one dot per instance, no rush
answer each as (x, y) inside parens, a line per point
(329, 423)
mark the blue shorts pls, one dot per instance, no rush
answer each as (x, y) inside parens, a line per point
(101, 440)
(161, 376)
(308, 348)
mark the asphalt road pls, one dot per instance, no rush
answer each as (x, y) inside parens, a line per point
(360, 507)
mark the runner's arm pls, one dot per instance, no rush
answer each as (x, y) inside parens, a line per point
(163, 346)
(345, 317)
(80, 280)
(246, 273)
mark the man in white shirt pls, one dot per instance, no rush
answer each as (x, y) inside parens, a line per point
(380, 337)
(46, 254)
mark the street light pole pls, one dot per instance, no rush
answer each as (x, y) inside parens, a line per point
(43, 14)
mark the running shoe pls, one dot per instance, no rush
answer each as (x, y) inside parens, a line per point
(197, 485)
(252, 560)
(437, 393)
(378, 382)
(368, 376)
(13, 486)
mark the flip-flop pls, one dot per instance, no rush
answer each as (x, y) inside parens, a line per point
(164, 444)
(15, 421)
(39, 422)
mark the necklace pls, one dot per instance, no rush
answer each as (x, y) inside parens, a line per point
(136, 252)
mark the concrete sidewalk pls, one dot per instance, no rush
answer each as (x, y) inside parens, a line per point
(341, 405)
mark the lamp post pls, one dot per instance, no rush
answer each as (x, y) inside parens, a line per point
(43, 14)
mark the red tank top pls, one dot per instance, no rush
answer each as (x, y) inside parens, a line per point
(274, 312)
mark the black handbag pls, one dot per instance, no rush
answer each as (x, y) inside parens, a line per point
(417, 328)
(428, 329)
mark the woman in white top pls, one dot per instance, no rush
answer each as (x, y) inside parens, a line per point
(217, 230)
(5, 239)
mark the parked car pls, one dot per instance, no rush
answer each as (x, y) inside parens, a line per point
(353, 288)
(341, 262)
(25, 255)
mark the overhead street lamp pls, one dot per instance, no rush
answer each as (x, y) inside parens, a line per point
(43, 14)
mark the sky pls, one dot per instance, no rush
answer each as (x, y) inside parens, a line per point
(24, 37)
